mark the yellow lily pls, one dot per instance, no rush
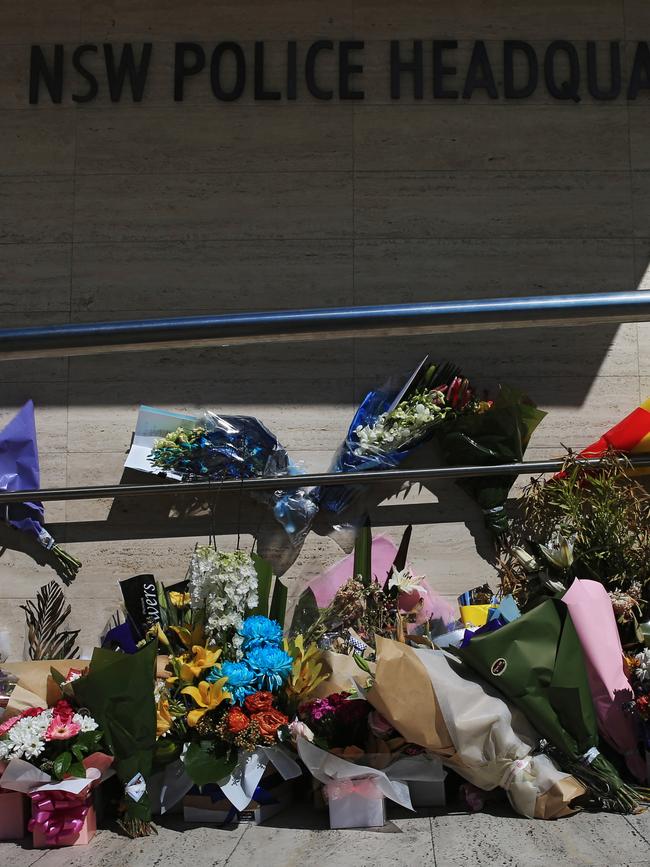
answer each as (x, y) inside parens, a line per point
(202, 659)
(187, 637)
(179, 600)
(156, 632)
(306, 671)
(207, 696)
(164, 718)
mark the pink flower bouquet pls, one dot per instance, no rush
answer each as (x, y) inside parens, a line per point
(594, 620)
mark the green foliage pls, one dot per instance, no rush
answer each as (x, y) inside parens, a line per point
(204, 766)
(363, 555)
(278, 608)
(606, 514)
(264, 581)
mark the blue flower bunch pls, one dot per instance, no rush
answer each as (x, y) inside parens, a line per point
(241, 679)
(264, 665)
(258, 631)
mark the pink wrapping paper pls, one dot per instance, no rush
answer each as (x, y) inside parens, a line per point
(12, 815)
(593, 617)
(325, 586)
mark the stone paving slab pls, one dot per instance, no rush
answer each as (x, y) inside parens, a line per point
(300, 837)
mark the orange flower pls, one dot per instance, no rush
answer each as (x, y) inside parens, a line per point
(269, 721)
(237, 721)
(258, 701)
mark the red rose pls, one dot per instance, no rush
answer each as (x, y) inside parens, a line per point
(237, 721)
(258, 701)
(269, 721)
(63, 709)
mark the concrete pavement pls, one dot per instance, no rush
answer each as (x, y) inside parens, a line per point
(299, 837)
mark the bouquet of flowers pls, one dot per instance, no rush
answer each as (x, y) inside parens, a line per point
(229, 683)
(21, 524)
(537, 663)
(117, 689)
(218, 448)
(388, 425)
(55, 740)
(587, 522)
(638, 667)
(434, 702)
(375, 592)
(499, 435)
(593, 617)
(54, 756)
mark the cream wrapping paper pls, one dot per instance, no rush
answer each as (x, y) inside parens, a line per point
(474, 731)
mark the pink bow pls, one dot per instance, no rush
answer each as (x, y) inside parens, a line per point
(366, 787)
(59, 817)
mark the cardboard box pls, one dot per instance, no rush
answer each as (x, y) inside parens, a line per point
(202, 808)
(356, 804)
(13, 815)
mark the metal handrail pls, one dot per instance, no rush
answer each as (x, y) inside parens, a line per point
(276, 483)
(324, 323)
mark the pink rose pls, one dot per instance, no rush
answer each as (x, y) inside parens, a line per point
(300, 729)
(379, 725)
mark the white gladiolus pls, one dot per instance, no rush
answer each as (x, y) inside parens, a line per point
(226, 585)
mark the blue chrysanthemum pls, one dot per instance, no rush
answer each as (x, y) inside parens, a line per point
(241, 679)
(271, 665)
(258, 631)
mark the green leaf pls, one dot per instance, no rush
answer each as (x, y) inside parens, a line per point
(361, 662)
(306, 612)
(86, 740)
(61, 765)
(78, 752)
(278, 608)
(203, 766)
(57, 677)
(363, 555)
(77, 770)
(264, 579)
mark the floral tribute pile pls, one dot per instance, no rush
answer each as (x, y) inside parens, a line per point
(200, 694)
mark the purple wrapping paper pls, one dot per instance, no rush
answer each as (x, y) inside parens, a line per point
(19, 471)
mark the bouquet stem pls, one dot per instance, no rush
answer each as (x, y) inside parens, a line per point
(135, 828)
(604, 782)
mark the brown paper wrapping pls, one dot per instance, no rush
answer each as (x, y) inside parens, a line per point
(20, 700)
(404, 695)
(34, 676)
(555, 802)
(419, 720)
(342, 670)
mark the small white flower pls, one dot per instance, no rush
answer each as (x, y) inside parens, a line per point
(87, 723)
(559, 551)
(405, 581)
(643, 671)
